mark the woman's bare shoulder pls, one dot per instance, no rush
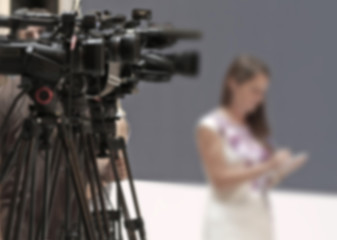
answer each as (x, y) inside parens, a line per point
(209, 121)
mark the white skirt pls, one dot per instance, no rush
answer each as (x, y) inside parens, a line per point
(246, 219)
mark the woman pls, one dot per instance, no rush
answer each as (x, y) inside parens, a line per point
(239, 162)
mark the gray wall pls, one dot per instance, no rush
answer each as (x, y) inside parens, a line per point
(297, 38)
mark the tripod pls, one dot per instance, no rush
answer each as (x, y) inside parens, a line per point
(58, 139)
(104, 126)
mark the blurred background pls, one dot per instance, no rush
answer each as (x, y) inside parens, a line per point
(296, 38)
(298, 41)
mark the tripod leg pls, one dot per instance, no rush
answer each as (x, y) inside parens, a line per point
(32, 197)
(102, 200)
(55, 167)
(14, 200)
(7, 117)
(113, 156)
(68, 201)
(45, 222)
(10, 160)
(92, 184)
(71, 158)
(138, 222)
(27, 179)
(119, 226)
(79, 227)
(56, 154)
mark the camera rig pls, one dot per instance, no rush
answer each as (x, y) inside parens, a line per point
(74, 74)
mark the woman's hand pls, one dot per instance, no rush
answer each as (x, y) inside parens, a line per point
(298, 161)
(280, 158)
(283, 169)
(294, 164)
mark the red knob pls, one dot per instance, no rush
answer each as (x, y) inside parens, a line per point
(44, 95)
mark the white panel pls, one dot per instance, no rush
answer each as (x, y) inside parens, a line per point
(175, 211)
(4, 6)
(4, 10)
(68, 5)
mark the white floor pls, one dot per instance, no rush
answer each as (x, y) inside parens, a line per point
(174, 211)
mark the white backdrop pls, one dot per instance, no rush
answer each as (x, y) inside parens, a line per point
(174, 211)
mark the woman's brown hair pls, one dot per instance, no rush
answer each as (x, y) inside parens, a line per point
(243, 69)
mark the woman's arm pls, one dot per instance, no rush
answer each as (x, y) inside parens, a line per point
(221, 174)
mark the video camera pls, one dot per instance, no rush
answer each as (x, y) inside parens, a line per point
(75, 73)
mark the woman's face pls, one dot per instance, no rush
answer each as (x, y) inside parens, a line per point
(249, 95)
